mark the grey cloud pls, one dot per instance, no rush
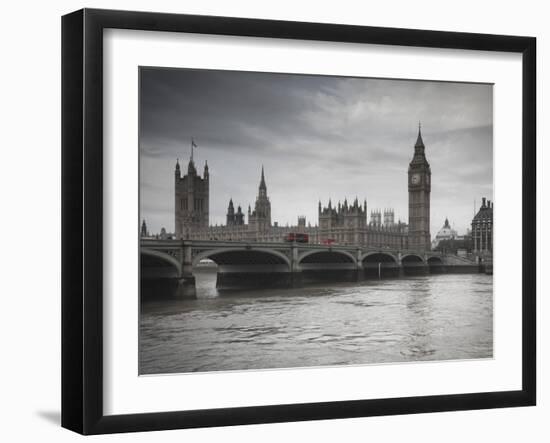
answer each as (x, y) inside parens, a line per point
(318, 137)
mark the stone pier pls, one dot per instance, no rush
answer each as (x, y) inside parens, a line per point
(167, 265)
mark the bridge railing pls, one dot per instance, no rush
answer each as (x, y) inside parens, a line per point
(170, 244)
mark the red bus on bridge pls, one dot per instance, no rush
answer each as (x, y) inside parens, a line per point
(296, 237)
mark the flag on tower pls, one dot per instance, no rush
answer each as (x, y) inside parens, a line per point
(193, 145)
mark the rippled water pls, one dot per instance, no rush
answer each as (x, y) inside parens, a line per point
(436, 317)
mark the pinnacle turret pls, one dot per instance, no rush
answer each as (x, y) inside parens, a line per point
(419, 142)
(262, 180)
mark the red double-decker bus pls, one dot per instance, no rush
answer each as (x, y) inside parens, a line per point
(296, 237)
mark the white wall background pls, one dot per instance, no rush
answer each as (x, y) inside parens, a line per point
(30, 219)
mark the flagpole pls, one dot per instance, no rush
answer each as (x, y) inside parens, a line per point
(193, 145)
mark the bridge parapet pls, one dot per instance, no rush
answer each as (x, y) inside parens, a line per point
(294, 252)
(264, 262)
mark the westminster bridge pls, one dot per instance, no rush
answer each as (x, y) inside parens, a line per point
(170, 264)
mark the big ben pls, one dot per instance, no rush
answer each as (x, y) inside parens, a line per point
(419, 198)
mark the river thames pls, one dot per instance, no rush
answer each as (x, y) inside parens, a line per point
(433, 317)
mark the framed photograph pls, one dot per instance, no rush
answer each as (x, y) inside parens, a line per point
(268, 221)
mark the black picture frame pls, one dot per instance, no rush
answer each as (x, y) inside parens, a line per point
(82, 218)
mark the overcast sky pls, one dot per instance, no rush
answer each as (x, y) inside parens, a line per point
(318, 137)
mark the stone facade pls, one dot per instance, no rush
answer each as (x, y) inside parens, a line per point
(234, 218)
(191, 200)
(444, 234)
(342, 224)
(347, 224)
(259, 220)
(482, 229)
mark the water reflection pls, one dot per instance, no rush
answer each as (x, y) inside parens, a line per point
(436, 317)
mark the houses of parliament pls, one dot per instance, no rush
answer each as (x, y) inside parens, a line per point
(343, 223)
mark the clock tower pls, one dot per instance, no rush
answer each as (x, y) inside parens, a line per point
(419, 198)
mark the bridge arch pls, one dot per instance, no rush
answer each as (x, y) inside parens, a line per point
(153, 258)
(243, 256)
(435, 260)
(326, 256)
(379, 257)
(412, 259)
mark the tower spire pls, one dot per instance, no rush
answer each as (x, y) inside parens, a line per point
(262, 180)
(419, 142)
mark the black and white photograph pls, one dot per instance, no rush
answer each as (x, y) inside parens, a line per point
(275, 221)
(295, 221)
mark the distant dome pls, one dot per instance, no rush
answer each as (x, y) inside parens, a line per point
(445, 233)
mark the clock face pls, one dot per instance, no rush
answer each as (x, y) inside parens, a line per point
(415, 179)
